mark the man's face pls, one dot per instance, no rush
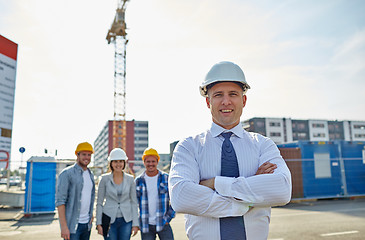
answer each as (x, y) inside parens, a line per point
(226, 101)
(150, 162)
(84, 158)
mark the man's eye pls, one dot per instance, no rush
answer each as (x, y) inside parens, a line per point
(217, 95)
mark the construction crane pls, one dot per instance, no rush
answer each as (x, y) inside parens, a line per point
(118, 36)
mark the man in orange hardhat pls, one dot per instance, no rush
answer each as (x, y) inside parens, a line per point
(75, 196)
(155, 211)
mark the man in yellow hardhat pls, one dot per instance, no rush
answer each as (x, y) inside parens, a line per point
(155, 211)
(75, 196)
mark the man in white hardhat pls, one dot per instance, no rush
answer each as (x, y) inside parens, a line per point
(226, 179)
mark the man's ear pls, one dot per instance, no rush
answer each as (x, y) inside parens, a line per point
(207, 101)
(244, 100)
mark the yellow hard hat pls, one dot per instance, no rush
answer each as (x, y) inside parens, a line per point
(85, 146)
(150, 152)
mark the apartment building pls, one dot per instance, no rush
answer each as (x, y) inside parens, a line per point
(283, 130)
(136, 142)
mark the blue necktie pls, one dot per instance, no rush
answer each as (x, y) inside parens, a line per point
(231, 228)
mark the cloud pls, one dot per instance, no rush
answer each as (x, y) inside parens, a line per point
(350, 55)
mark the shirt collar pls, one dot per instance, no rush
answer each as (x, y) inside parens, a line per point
(79, 168)
(216, 130)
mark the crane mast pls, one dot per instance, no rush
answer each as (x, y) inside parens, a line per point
(118, 36)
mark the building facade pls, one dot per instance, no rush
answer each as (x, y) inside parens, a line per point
(136, 142)
(284, 130)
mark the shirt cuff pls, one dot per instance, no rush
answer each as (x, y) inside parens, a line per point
(223, 185)
(239, 208)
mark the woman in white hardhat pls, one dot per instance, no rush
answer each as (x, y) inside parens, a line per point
(117, 216)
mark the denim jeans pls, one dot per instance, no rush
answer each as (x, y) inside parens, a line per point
(82, 232)
(165, 234)
(120, 230)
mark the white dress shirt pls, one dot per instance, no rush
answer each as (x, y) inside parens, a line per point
(198, 158)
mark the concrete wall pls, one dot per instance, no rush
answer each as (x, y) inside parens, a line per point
(12, 199)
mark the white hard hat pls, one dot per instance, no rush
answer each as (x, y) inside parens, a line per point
(117, 154)
(224, 72)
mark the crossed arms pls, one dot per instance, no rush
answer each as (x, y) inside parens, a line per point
(224, 196)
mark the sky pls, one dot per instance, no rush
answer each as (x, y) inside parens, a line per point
(302, 59)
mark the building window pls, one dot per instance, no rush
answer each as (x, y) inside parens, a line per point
(333, 127)
(359, 126)
(317, 135)
(136, 145)
(275, 134)
(141, 125)
(274, 124)
(140, 138)
(359, 135)
(302, 135)
(260, 124)
(300, 126)
(333, 136)
(141, 131)
(318, 125)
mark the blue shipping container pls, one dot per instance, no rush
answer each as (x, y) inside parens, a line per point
(352, 154)
(331, 169)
